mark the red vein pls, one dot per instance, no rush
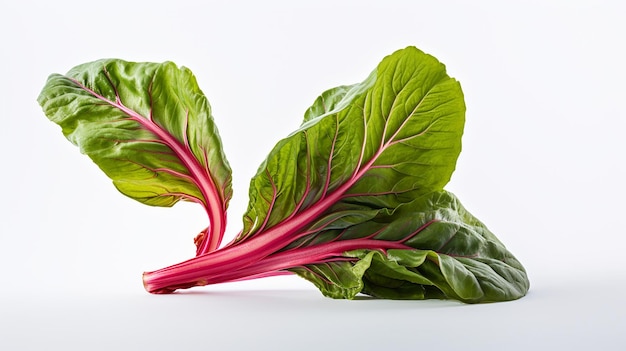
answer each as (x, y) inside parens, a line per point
(330, 158)
(381, 193)
(447, 241)
(212, 202)
(308, 178)
(271, 202)
(293, 224)
(362, 154)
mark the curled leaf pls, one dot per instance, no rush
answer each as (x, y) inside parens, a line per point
(149, 127)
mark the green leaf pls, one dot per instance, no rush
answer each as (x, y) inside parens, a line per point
(334, 279)
(377, 144)
(148, 126)
(364, 173)
(450, 254)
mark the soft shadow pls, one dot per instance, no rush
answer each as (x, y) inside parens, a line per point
(304, 297)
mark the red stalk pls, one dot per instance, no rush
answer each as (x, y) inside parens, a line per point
(259, 254)
(200, 175)
(237, 263)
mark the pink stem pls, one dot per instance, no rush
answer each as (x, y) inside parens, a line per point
(240, 264)
(212, 200)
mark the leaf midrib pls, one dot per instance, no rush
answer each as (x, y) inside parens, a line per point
(294, 223)
(203, 181)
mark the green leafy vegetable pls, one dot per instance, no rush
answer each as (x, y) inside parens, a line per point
(455, 256)
(380, 143)
(149, 128)
(352, 201)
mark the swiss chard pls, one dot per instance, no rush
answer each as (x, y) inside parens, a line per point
(352, 201)
(149, 128)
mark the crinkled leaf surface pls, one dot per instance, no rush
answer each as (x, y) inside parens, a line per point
(147, 126)
(377, 144)
(454, 256)
(364, 174)
(351, 201)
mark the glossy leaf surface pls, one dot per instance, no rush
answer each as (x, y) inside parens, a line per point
(148, 126)
(450, 254)
(376, 144)
(352, 201)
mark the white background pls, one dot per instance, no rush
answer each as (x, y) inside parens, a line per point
(543, 166)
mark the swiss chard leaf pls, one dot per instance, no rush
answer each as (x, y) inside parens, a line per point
(377, 144)
(363, 178)
(149, 127)
(454, 256)
(353, 200)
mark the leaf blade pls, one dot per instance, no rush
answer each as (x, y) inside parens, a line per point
(359, 142)
(148, 127)
(448, 253)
